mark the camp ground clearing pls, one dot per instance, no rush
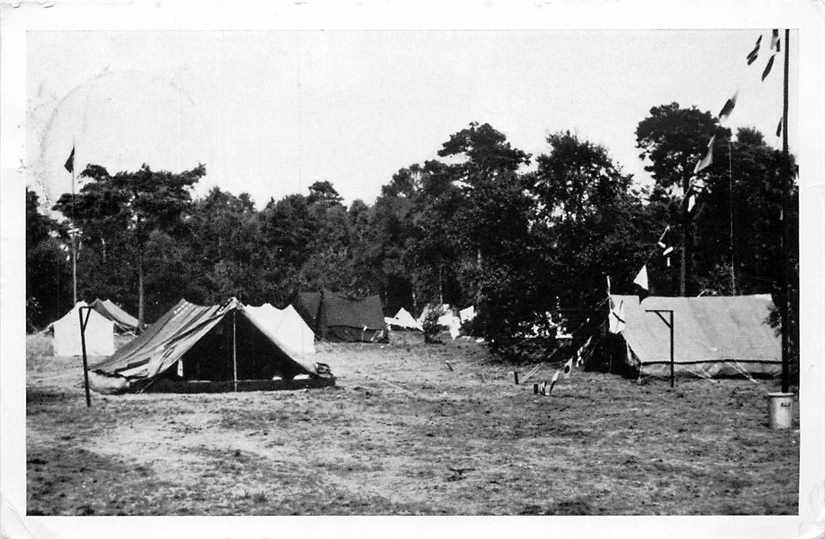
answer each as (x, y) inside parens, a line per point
(401, 433)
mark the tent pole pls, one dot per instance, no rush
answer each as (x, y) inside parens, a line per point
(234, 353)
(83, 323)
(672, 375)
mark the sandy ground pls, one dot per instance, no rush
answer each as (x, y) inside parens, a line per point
(389, 438)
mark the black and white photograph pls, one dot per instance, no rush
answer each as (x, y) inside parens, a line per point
(361, 269)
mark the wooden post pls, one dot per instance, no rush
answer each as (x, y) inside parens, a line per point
(672, 372)
(234, 353)
(83, 323)
(535, 389)
(515, 376)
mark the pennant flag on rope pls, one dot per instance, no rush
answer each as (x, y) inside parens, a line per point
(615, 320)
(69, 165)
(768, 68)
(568, 368)
(752, 55)
(661, 243)
(552, 383)
(779, 128)
(775, 40)
(707, 160)
(727, 108)
(580, 354)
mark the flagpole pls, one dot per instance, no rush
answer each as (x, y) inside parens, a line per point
(788, 183)
(74, 249)
(730, 214)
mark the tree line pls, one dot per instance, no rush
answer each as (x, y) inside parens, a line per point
(528, 240)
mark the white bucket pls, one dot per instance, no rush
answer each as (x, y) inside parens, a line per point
(780, 410)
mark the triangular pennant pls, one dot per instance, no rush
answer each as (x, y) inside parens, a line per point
(727, 108)
(641, 278)
(69, 165)
(754, 54)
(768, 68)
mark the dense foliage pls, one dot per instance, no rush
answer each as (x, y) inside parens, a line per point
(528, 240)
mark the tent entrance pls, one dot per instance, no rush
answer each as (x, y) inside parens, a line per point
(233, 346)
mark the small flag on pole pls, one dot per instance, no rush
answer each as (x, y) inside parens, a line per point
(641, 279)
(727, 108)
(707, 160)
(69, 165)
(767, 68)
(752, 55)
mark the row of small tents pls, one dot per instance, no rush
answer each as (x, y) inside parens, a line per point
(326, 315)
(713, 336)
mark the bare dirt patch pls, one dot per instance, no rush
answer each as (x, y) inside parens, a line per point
(403, 434)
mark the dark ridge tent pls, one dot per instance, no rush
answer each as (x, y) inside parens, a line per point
(335, 317)
(123, 321)
(196, 348)
(713, 336)
(308, 305)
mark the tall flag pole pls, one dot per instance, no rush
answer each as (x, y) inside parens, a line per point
(786, 288)
(69, 165)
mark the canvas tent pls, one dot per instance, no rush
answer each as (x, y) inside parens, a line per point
(447, 318)
(467, 314)
(403, 329)
(713, 336)
(335, 317)
(209, 348)
(287, 325)
(122, 320)
(99, 334)
(403, 320)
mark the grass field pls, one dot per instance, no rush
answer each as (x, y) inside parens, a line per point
(385, 440)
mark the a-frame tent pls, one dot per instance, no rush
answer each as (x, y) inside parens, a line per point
(99, 334)
(196, 348)
(336, 317)
(123, 321)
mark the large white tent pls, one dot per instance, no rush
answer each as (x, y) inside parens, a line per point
(286, 325)
(99, 334)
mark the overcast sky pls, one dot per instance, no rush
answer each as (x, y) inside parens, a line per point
(271, 112)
